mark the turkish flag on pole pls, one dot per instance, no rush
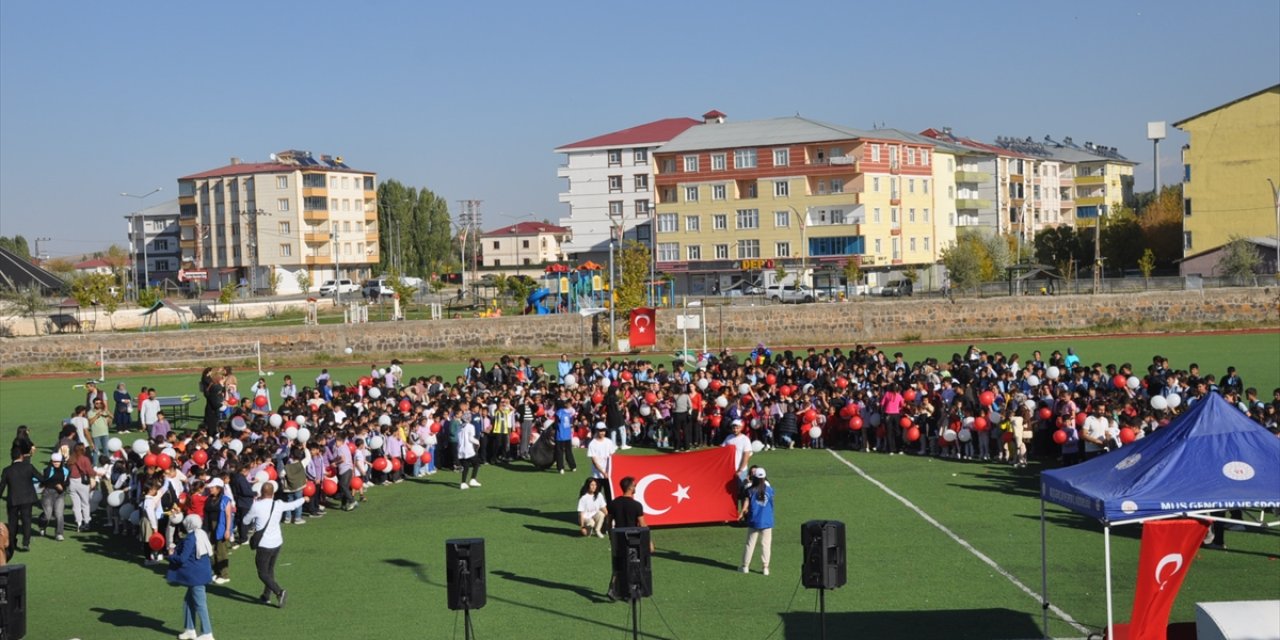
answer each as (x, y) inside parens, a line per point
(1168, 547)
(682, 488)
(643, 327)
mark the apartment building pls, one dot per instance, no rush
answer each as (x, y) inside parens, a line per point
(790, 198)
(524, 245)
(610, 185)
(154, 242)
(296, 212)
(1092, 179)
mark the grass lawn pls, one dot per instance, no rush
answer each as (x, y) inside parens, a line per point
(377, 572)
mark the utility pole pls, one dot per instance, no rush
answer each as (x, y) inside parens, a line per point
(39, 254)
(469, 219)
(254, 245)
(337, 268)
(1275, 197)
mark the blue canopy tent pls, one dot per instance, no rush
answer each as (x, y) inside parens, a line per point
(1211, 458)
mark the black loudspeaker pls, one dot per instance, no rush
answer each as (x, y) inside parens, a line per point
(13, 601)
(464, 564)
(632, 566)
(824, 561)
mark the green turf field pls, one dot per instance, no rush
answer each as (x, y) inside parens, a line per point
(377, 572)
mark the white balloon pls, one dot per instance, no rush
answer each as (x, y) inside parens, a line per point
(1133, 382)
(377, 374)
(304, 434)
(949, 435)
(115, 498)
(815, 432)
(1174, 400)
(168, 451)
(114, 445)
(237, 423)
(967, 423)
(384, 420)
(1033, 381)
(260, 477)
(577, 442)
(175, 518)
(1053, 372)
(418, 450)
(375, 442)
(141, 447)
(1030, 405)
(570, 380)
(236, 446)
(291, 433)
(703, 383)
(375, 393)
(965, 435)
(348, 351)
(722, 402)
(275, 420)
(605, 383)
(744, 389)
(645, 410)
(382, 372)
(300, 420)
(1159, 403)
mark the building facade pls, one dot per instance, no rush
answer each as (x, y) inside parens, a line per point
(1234, 151)
(297, 212)
(524, 245)
(155, 243)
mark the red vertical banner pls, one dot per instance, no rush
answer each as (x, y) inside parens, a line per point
(1168, 547)
(644, 327)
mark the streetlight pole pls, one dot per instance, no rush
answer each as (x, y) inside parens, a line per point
(254, 244)
(1275, 196)
(146, 268)
(615, 231)
(337, 268)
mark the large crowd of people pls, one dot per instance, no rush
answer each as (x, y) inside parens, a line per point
(261, 456)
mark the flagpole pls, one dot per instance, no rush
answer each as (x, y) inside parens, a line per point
(1106, 545)
(1044, 572)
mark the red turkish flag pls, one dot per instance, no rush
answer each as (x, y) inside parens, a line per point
(682, 488)
(644, 327)
(1168, 547)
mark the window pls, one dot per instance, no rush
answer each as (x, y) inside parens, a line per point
(837, 216)
(911, 213)
(615, 157)
(282, 182)
(875, 215)
(877, 246)
(160, 245)
(691, 164)
(333, 182)
(875, 185)
(911, 156)
(690, 194)
(911, 185)
(640, 156)
(718, 192)
(912, 244)
(926, 243)
(837, 185)
(951, 192)
(749, 190)
(1186, 173)
(333, 204)
(161, 265)
(722, 252)
(692, 223)
(668, 223)
(837, 246)
(642, 182)
(1186, 240)
(782, 249)
(748, 249)
(282, 204)
(951, 165)
(495, 244)
(749, 219)
(781, 189)
(346, 182)
(668, 194)
(875, 152)
(744, 159)
(1186, 207)
(720, 222)
(615, 184)
(286, 249)
(346, 204)
(893, 215)
(717, 162)
(924, 157)
(642, 208)
(524, 244)
(615, 207)
(497, 263)
(925, 183)
(781, 157)
(284, 227)
(668, 251)
(668, 165)
(693, 252)
(781, 219)
(926, 215)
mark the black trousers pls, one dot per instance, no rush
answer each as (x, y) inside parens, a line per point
(266, 562)
(680, 429)
(471, 464)
(19, 515)
(564, 454)
(344, 488)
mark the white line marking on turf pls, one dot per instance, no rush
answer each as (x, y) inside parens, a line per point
(962, 542)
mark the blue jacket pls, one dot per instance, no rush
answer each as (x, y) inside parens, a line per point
(185, 569)
(760, 514)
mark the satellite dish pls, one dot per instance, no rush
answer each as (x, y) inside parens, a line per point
(273, 157)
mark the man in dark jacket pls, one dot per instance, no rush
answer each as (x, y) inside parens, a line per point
(53, 483)
(19, 479)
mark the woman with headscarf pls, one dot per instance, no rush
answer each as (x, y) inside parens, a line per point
(190, 567)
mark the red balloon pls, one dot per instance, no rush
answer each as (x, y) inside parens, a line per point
(1007, 437)
(625, 375)
(290, 424)
(597, 397)
(351, 446)
(1080, 418)
(405, 406)
(715, 385)
(156, 541)
(771, 379)
(330, 472)
(841, 383)
(1127, 435)
(810, 416)
(329, 487)
(980, 423)
(259, 401)
(309, 489)
(412, 458)
(199, 456)
(855, 423)
(987, 398)
(163, 461)
(396, 464)
(909, 395)
(847, 411)
(715, 420)
(425, 457)
(435, 426)
(1045, 413)
(1119, 381)
(542, 411)
(784, 390)
(150, 460)
(366, 381)
(905, 422)
(380, 464)
(651, 398)
(913, 434)
(356, 483)
(271, 473)
(1060, 436)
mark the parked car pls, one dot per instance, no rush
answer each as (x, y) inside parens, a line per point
(791, 293)
(896, 289)
(378, 287)
(342, 286)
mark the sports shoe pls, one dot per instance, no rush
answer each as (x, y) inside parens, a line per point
(474, 482)
(562, 472)
(221, 580)
(58, 537)
(599, 534)
(463, 486)
(189, 634)
(207, 636)
(281, 598)
(300, 521)
(625, 447)
(743, 569)
(766, 571)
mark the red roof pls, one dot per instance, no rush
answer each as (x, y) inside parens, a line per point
(714, 113)
(527, 229)
(971, 143)
(93, 264)
(245, 168)
(656, 131)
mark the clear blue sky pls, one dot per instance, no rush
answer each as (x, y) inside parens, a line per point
(469, 99)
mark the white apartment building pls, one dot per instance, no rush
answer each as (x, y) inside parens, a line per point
(524, 245)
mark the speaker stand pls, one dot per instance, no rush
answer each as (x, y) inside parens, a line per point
(822, 613)
(635, 613)
(466, 622)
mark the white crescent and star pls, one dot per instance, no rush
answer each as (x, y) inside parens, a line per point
(680, 494)
(641, 327)
(1174, 559)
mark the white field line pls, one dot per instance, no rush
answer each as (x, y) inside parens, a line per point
(963, 543)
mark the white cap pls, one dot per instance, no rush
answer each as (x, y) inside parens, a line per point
(737, 423)
(57, 457)
(216, 482)
(759, 473)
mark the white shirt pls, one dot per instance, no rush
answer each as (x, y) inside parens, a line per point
(601, 452)
(260, 516)
(741, 449)
(149, 411)
(467, 441)
(81, 424)
(1095, 427)
(589, 505)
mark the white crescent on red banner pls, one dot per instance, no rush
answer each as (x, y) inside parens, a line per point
(682, 488)
(643, 327)
(1168, 547)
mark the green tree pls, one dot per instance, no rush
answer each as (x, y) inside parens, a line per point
(1059, 245)
(520, 288)
(149, 296)
(1147, 263)
(964, 261)
(994, 256)
(1240, 260)
(1122, 240)
(273, 281)
(853, 273)
(18, 245)
(1161, 224)
(28, 301)
(227, 294)
(633, 269)
(416, 221)
(304, 281)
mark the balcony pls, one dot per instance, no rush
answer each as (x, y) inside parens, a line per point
(315, 192)
(314, 216)
(895, 167)
(317, 260)
(319, 237)
(968, 221)
(973, 203)
(370, 214)
(895, 198)
(1085, 180)
(972, 176)
(1092, 201)
(187, 244)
